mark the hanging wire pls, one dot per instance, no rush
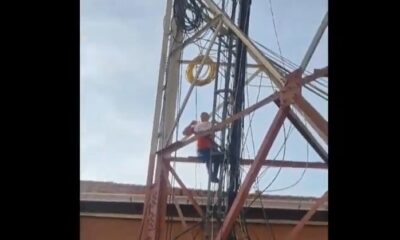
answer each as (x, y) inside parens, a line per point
(260, 193)
(276, 33)
(310, 86)
(301, 176)
(188, 15)
(318, 89)
(267, 223)
(298, 180)
(290, 65)
(322, 82)
(277, 174)
(282, 147)
(252, 114)
(285, 62)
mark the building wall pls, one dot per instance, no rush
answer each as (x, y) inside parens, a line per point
(107, 228)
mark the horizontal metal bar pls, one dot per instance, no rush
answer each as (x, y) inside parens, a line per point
(269, 163)
(224, 64)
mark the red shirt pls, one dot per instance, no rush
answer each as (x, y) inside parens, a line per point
(203, 142)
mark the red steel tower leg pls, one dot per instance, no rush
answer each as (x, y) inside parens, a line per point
(288, 94)
(252, 174)
(154, 224)
(296, 230)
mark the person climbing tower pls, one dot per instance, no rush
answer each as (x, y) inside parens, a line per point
(206, 147)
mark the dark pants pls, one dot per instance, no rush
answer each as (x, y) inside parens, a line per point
(211, 156)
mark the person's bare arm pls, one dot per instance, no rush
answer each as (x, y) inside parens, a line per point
(189, 130)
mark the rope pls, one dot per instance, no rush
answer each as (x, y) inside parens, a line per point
(211, 71)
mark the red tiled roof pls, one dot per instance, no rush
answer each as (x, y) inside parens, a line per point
(111, 187)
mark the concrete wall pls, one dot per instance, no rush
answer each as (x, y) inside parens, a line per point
(106, 228)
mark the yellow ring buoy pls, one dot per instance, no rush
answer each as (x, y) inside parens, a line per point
(211, 73)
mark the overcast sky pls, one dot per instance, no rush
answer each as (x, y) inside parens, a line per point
(120, 54)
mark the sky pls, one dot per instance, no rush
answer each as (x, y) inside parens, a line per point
(120, 55)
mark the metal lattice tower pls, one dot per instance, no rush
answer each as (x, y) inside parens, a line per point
(230, 43)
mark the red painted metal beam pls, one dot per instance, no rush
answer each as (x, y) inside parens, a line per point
(269, 163)
(252, 174)
(294, 233)
(156, 204)
(180, 213)
(295, 120)
(217, 127)
(180, 144)
(318, 73)
(297, 123)
(185, 190)
(320, 124)
(148, 192)
(314, 115)
(288, 93)
(154, 222)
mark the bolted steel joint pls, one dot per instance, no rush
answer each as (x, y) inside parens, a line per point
(292, 88)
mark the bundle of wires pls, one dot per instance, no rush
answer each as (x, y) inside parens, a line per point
(188, 15)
